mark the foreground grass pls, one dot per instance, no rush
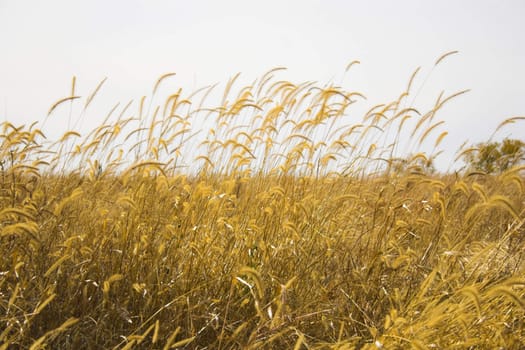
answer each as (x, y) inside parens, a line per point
(408, 260)
(152, 257)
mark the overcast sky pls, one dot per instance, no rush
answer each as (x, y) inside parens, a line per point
(45, 43)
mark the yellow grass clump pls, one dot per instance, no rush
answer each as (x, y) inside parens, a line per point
(276, 219)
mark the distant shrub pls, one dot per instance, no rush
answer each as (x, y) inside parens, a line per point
(496, 157)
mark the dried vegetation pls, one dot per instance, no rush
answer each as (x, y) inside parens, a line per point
(287, 222)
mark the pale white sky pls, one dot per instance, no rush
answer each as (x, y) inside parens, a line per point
(45, 43)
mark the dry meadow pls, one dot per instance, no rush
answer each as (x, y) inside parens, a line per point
(287, 222)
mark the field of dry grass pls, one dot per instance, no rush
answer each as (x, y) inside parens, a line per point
(288, 224)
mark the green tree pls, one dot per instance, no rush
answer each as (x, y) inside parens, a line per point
(494, 157)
